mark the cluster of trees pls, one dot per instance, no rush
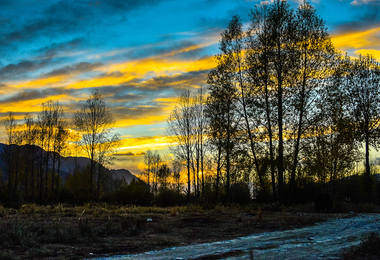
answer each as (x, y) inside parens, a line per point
(28, 171)
(32, 174)
(163, 179)
(283, 109)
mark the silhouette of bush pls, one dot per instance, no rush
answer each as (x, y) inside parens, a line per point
(323, 203)
(169, 198)
(303, 193)
(65, 196)
(241, 193)
(356, 189)
(136, 193)
(264, 197)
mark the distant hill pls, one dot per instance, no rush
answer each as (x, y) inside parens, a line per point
(122, 173)
(68, 165)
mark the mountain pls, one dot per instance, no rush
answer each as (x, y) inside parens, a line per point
(122, 173)
(68, 164)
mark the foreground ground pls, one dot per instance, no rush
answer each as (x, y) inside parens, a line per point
(58, 232)
(325, 240)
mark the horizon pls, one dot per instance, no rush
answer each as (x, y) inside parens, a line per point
(140, 55)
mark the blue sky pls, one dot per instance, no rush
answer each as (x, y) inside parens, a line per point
(139, 54)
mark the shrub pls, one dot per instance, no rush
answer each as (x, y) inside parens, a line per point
(170, 198)
(241, 193)
(135, 193)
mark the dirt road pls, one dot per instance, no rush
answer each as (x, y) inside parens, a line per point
(321, 241)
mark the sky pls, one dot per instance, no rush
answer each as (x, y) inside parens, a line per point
(139, 54)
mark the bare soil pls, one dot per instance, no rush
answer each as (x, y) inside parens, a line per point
(71, 235)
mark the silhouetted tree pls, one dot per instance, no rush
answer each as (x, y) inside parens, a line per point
(180, 131)
(363, 86)
(222, 99)
(7, 155)
(95, 122)
(316, 56)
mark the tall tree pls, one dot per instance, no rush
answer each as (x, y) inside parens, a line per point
(47, 120)
(61, 136)
(364, 92)
(148, 160)
(215, 137)
(53, 123)
(163, 174)
(180, 131)
(176, 176)
(332, 151)
(29, 139)
(282, 29)
(316, 56)
(259, 71)
(223, 98)
(95, 122)
(7, 155)
(200, 122)
(235, 48)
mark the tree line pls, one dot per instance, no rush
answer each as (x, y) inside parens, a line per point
(33, 153)
(283, 109)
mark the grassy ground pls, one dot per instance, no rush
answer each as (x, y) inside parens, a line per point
(64, 232)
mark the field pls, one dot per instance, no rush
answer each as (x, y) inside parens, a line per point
(66, 232)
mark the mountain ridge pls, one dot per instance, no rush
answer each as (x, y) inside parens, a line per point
(68, 165)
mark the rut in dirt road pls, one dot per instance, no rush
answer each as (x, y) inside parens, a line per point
(321, 241)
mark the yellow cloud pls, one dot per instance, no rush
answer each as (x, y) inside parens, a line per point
(161, 67)
(357, 40)
(141, 144)
(140, 121)
(364, 52)
(99, 82)
(125, 72)
(154, 116)
(172, 100)
(39, 83)
(30, 105)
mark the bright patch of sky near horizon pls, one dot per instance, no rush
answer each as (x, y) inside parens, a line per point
(139, 54)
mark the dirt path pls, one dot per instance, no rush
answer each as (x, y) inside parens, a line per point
(321, 241)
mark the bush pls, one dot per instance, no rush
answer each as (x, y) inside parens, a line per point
(356, 189)
(135, 193)
(240, 193)
(169, 198)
